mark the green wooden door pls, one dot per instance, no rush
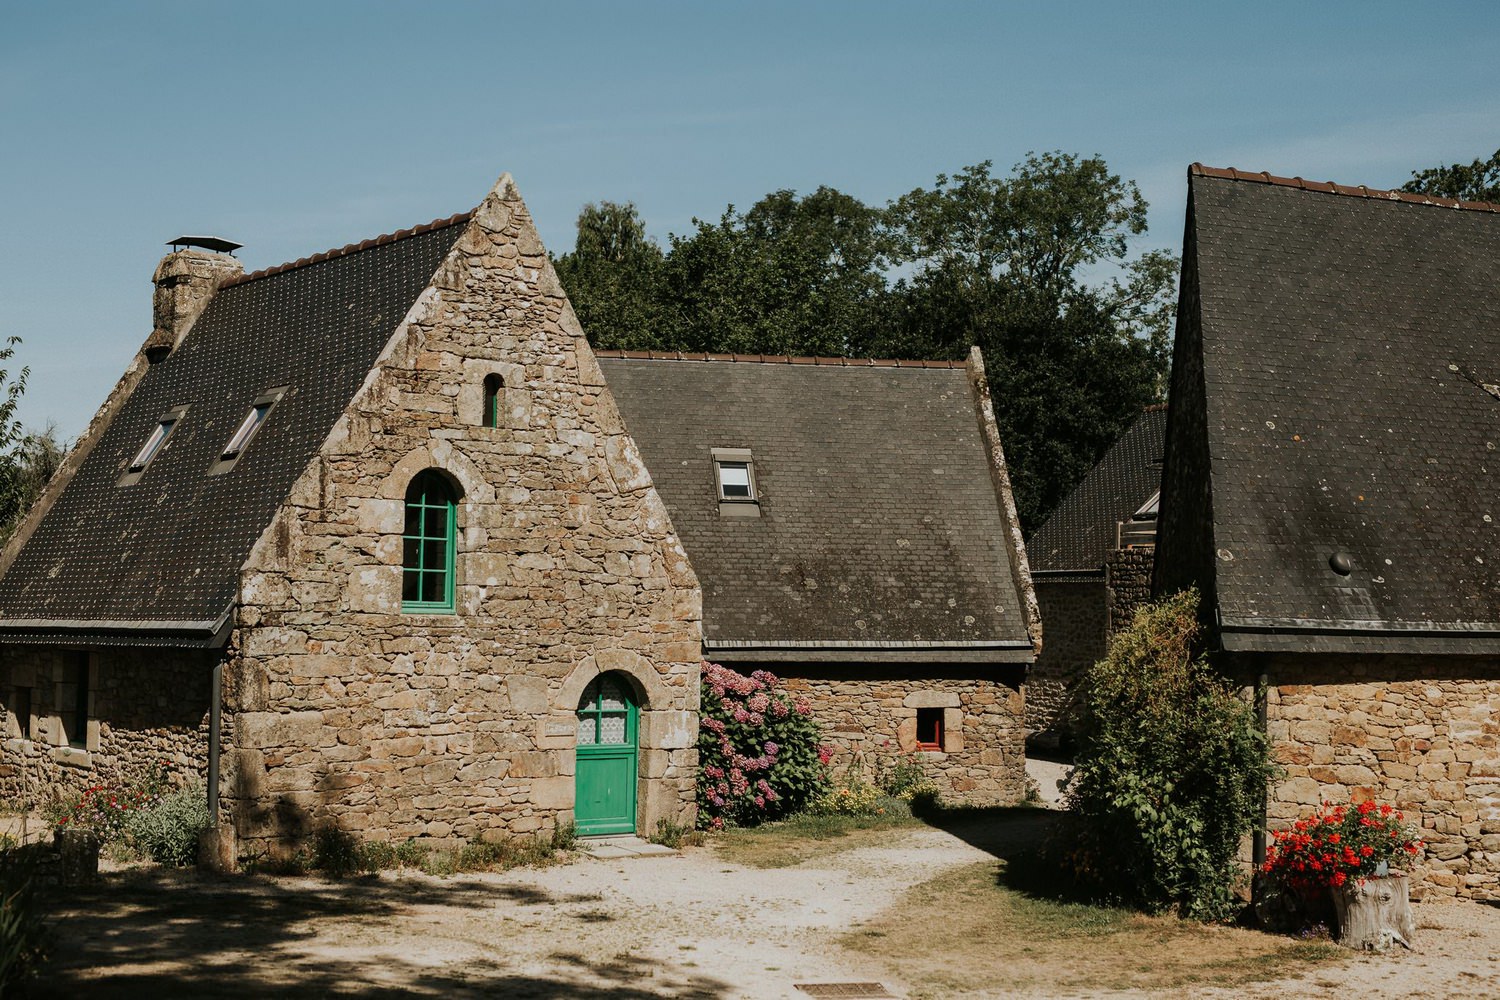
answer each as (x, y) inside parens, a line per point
(607, 722)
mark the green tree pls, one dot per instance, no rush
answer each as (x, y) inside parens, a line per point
(12, 440)
(1002, 262)
(613, 278)
(1477, 181)
(1170, 774)
(790, 276)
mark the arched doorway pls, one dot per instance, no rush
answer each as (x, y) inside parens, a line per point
(608, 724)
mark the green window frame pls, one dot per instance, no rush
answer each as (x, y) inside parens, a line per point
(493, 384)
(428, 546)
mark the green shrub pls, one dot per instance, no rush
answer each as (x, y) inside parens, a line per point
(849, 794)
(901, 779)
(168, 831)
(1169, 775)
(21, 932)
(564, 836)
(337, 853)
(759, 750)
(675, 835)
(106, 807)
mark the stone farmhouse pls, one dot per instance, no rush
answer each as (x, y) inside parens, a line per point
(1331, 487)
(1091, 564)
(365, 540)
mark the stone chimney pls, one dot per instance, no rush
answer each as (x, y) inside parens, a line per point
(185, 281)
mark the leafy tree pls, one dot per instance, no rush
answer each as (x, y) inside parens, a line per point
(12, 440)
(613, 277)
(1477, 181)
(790, 276)
(1170, 773)
(1000, 262)
(1019, 264)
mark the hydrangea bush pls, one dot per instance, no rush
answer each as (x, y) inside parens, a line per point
(760, 753)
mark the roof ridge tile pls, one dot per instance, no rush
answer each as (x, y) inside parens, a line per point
(350, 248)
(1333, 187)
(773, 359)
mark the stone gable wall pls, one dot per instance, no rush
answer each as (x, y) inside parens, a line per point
(1422, 735)
(148, 708)
(871, 723)
(1076, 618)
(1128, 572)
(348, 712)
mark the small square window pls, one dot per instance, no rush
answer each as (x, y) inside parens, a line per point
(929, 729)
(734, 476)
(165, 425)
(260, 409)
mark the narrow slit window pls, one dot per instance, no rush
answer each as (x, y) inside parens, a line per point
(74, 701)
(929, 729)
(165, 425)
(493, 399)
(21, 707)
(260, 409)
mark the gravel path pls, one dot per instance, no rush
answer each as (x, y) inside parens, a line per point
(690, 925)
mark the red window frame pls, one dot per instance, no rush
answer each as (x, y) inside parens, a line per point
(929, 729)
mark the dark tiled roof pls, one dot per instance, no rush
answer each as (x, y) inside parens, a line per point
(880, 520)
(168, 548)
(1081, 531)
(1350, 349)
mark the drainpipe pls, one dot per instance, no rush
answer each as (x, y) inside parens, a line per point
(215, 715)
(1262, 696)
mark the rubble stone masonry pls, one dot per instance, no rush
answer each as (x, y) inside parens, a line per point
(148, 709)
(1420, 734)
(346, 712)
(872, 722)
(1076, 617)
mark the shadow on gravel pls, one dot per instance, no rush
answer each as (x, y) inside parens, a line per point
(160, 934)
(1015, 836)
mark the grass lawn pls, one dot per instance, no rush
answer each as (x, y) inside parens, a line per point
(974, 929)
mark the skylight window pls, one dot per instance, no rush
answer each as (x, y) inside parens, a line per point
(734, 481)
(165, 424)
(260, 409)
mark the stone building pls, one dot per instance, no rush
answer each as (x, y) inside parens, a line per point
(1091, 564)
(852, 527)
(363, 540)
(1330, 486)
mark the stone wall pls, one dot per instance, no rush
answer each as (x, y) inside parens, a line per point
(148, 708)
(1420, 734)
(870, 721)
(1128, 576)
(1076, 618)
(348, 712)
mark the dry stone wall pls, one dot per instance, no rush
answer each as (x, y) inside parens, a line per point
(1423, 735)
(1076, 618)
(1128, 572)
(148, 709)
(348, 712)
(871, 723)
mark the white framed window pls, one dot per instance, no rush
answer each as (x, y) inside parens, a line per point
(260, 409)
(165, 425)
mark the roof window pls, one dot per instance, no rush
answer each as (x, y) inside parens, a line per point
(260, 409)
(734, 481)
(165, 424)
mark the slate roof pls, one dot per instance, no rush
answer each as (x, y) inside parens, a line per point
(1350, 352)
(1079, 534)
(881, 535)
(160, 558)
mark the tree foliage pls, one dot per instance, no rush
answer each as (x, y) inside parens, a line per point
(1170, 772)
(1035, 267)
(1477, 181)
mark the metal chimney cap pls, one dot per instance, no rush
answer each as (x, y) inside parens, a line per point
(213, 243)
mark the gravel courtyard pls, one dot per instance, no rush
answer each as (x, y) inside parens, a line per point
(688, 925)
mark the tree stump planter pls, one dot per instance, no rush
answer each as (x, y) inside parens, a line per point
(78, 855)
(1374, 913)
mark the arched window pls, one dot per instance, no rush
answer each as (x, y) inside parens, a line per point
(492, 386)
(428, 546)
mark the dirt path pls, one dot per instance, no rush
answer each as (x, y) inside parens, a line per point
(684, 926)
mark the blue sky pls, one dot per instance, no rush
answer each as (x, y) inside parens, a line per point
(296, 127)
